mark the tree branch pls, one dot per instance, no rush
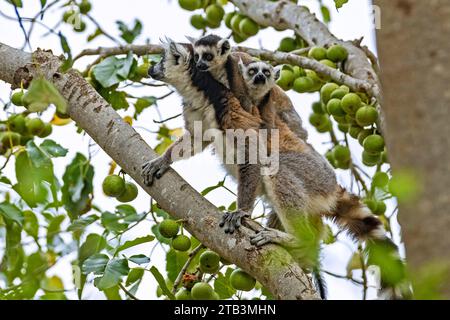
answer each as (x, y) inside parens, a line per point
(271, 265)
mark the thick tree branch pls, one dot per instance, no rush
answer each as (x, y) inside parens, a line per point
(273, 266)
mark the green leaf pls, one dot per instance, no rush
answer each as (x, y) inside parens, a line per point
(95, 264)
(10, 212)
(77, 186)
(325, 14)
(129, 35)
(43, 3)
(175, 261)
(139, 259)
(115, 269)
(135, 242)
(95, 34)
(113, 70)
(31, 224)
(134, 275)
(158, 235)
(340, 3)
(112, 293)
(17, 3)
(54, 228)
(13, 259)
(119, 220)
(41, 93)
(162, 284)
(53, 149)
(222, 286)
(94, 244)
(142, 104)
(80, 224)
(118, 100)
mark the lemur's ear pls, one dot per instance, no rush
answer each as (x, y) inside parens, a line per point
(192, 40)
(241, 66)
(277, 72)
(224, 46)
(177, 49)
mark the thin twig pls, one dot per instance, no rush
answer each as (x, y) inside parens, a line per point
(128, 293)
(192, 255)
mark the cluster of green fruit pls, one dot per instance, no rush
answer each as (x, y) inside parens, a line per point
(209, 263)
(301, 80)
(115, 186)
(73, 17)
(213, 13)
(18, 129)
(169, 229)
(243, 27)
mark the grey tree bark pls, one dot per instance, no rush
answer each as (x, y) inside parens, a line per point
(414, 54)
(273, 266)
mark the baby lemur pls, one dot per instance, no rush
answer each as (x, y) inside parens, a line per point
(213, 54)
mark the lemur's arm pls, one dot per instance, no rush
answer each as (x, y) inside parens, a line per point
(237, 83)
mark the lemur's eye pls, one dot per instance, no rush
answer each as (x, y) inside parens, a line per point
(252, 71)
(196, 57)
(208, 57)
(266, 73)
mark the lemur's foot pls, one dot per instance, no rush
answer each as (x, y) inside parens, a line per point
(232, 220)
(269, 235)
(154, 169)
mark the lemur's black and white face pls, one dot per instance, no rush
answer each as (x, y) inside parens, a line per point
(175, 63)
(210, 52)
(259, 76)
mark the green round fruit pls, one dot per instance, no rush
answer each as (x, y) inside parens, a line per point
(17, 123)
(235, 21)
(334, 108)
(46, 131)
(227, 18)
(337, 53)
(330, 157)
(364, 97)
(209, 261)
(326, 91)
(142, 70)
(303, 84)
(363, 134)
(381, 208)
(318, 120)
(371, 204)
(10, 139)
(35, 126)
(286, 80)
(350, 119)
(215, 296)
(190, 5)
(317, 81)
(214, 13)
(317, 53)
(80, 28)
(24, 139)
(369, 159)
(374, 144)
(341, 153)
(169, 228)
(298, 72)
(354, 131)
(202, 291)
(248, 27)
(287, 45)
(326, 127)
(130, 193)
(240, 280)
(341, 120)
(343, 127)
(328, 63)
(380, 180)
(198, 22)
(238, 38)
(384, 157)
(344, 165)
(318, 107)
(68, 15)
(181, 243)
(17, 98)
(351, 102)
(338, 94)
(85, 6)
(113, 186)
(345, 88)
(183, 294)
(366, 116)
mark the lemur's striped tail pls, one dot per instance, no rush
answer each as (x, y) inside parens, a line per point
(352, 215)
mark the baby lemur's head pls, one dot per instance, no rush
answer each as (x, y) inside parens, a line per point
(210, 52)
(260, 77)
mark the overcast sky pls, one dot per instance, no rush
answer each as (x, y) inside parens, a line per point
(165, 18)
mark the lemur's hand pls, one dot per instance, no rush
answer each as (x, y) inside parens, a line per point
(232, 220)
(154, 168)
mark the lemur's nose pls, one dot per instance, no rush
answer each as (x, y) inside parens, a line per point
(202, 66)
(259, 79)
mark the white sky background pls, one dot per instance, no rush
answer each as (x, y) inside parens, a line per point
(165, 18)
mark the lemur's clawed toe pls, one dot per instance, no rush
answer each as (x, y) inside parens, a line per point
(232, 220)
(154, 169)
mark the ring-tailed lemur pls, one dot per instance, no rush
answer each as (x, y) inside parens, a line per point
(213, 54)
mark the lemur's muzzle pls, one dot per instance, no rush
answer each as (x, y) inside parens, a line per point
(202, 66)
(259, 79)
(155, 73)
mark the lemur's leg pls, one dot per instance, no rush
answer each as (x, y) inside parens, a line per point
(248, 183)
(157, 167)
(269, 235)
